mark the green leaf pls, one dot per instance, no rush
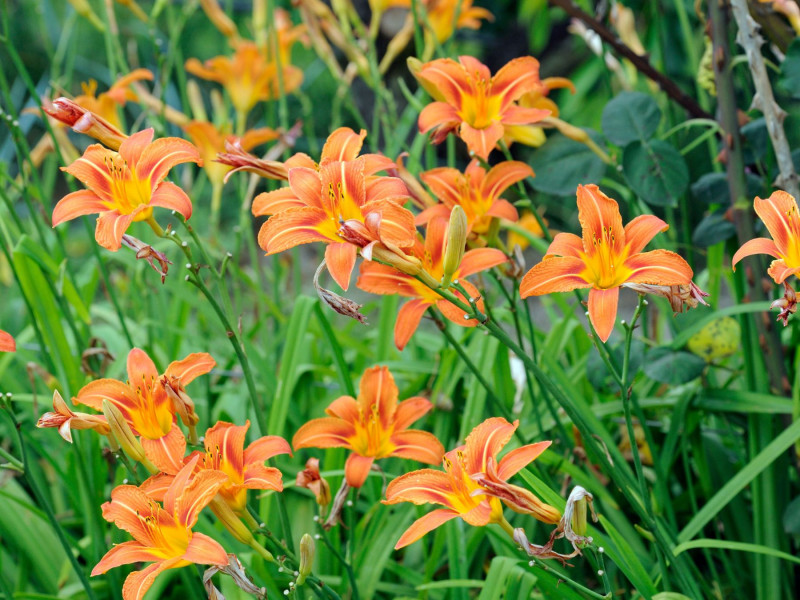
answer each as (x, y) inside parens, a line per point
(756, 140)
(791, 517)
(789, 81)
(738, 482)
(712, 188)
(667, 366)
(670, 596)
(713, 229)
(656, 172)
(629, 117)
(562, 164)
(740, 546)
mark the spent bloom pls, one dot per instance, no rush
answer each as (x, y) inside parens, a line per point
(476, 191)
(377, 278)
(146, 405)
(373, 426)
(607, 257)
(162, 533)
(310, 478)
(65, 420)
(780, 214)
(471, 101)
(124, 186)
(473, 485)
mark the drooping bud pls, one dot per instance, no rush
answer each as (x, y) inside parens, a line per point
(148, 253)
(123, 434)
(307, 551)
(86, 122)
(456, 244)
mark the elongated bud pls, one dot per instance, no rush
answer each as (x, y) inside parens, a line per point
(122, 433)
(307, 551)
(574, 521)
(236, 527)
(84, 9)
(196, 103)
(218, 17)
(456, 244)
(86, 122)
(416, 66)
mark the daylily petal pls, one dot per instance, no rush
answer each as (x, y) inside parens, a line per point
(194, 497)
(444, 79)
(480, 515)
(343, 144)
(410, 410)
(444, 183)
(127, 503)
(323, 433)
(132, 148)
(418, 445)
(481, 141)
(519, 115)
(344, 407)
(504, 175)
(565, 244)
(296, 226)
(659, 267)
(340, 259)
(376, 278)
(191, 367)
(344, 186)
(600, 219)
(226, 441)
(779, 271)
(259, 477)
(438, 114)
(167, 452)
(356, 469)
(111, 226)
(156, 486)
(116, 392)
(780, 214)
(306, 185)
(556, 274)
(7, 343)
(387, 188)
(503, 209)
(408, 318)
(91, 170)
(125, 554)
(480, 259)
(603, 310)
(168, 195)
(265, 448)
(755, 246)
(138, 582)
(162, 155)
(377, 391)
(270, 203)
(425, 486)
(441, 211)
(516, 78)
(396, 224)
(141, 368)
(204, 550)
(78, 204)
(641, 230)
(486, 441)
(425, 524)
(519, 458)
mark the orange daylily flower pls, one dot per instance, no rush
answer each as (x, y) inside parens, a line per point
(251, 75)
(442, 17)
(377, 278)
(225, 452)
(373, 426)
(124, 186)
(146, 405)
(476, 191)
(211, 141)
(529, 223)
(66, 420)
(7, 343)
(607, 257)
(533, 135)
(340, 202)
(463, 488)
(474, 103)
(162, 535)
(779, 213)
(105, 104)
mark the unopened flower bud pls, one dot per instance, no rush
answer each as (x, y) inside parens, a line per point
(307, 551)
(122, 432)
(456, 243)
(574, 522)
(236, 527)
(86, 122)
(415, 66)
(218, 18)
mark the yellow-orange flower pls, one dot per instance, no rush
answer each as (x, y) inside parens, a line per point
(607, 257)
(442, 17)
(105, 104)
(463, 488)
(162, 534)
(340, 202)
(533, 135)
(124, 186)
(476, 191)
(377, 278)
(472, 102)
(780, 214)
(211, 141)
(65, 420)
(373, 426)
(146, 405)
(7, 343)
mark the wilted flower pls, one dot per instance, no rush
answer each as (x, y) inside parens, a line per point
(65, 420)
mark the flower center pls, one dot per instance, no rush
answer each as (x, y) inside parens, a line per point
(480, 108)
(128, 191)
(151, 417)
(371, 439)
(605, 268)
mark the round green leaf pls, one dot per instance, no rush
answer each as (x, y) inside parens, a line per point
(667, 366)
(713, 229)
(656, 172)
(630, 116)
(562, 164)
